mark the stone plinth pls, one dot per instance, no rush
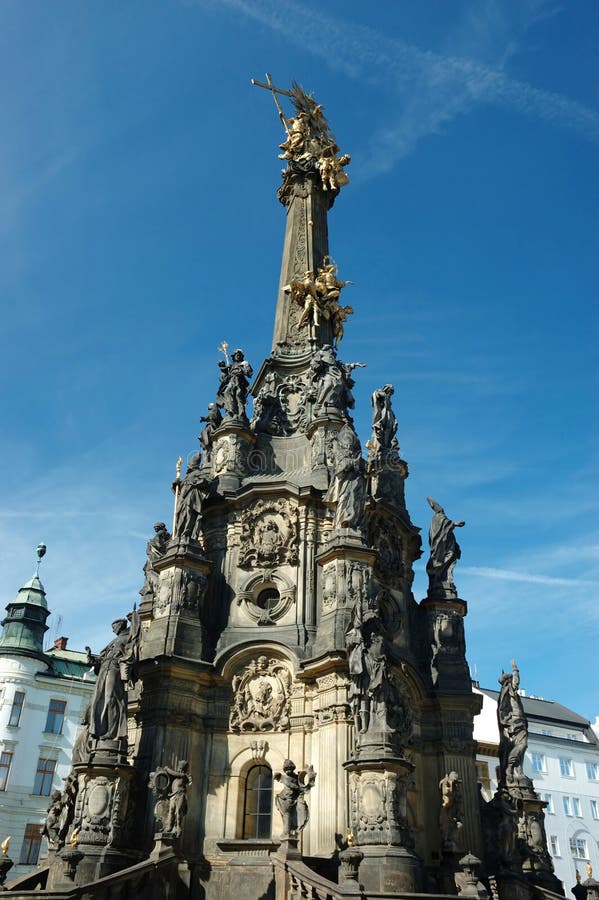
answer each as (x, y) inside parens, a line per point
(537, 863)
(378, 820)
(448, 666)
(101, 831)
(232, 443)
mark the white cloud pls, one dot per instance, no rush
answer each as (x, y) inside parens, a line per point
(509, 575)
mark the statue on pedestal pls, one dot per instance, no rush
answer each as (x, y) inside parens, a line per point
(213, 420)
(513, 729)
(348, 486)
(383, 445)
(234, 385)
(330, 383)
(291, 801)
(169, 786)
(309, 144)
(51, 827)
(445, 552)
(189, 503)
(113, 666)
(450, 816)
(155, 550)
(376, 703)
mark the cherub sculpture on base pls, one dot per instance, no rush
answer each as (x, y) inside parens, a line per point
(291, 801)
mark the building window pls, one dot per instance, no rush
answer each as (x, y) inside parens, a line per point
(483, 777)
(595, 809)
(55, 717)
(576, 806)
(578, 848)
(16, 709)
(567, 806)
(539, 763)
(566, 767)
(44, 776)
(30, 850)
(554, 845)
(549, 801)
(257, 811)
(593, 771)
(5, 763)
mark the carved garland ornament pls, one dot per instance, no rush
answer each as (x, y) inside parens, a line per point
(261, 696)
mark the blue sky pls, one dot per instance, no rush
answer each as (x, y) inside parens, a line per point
(139, 228)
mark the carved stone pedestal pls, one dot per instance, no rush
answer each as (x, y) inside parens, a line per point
(231, 447)
(387, 481)
(378, 819)
(537, 863)
(101, 830)
(349, 870)
(449, 669)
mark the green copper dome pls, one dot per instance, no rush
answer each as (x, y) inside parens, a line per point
(25, 623)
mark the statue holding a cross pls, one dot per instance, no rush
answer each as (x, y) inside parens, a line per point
(309, 142)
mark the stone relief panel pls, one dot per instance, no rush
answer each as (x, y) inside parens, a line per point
(180, 589)
(229, 455)
(345, 582)
(384, 535)
(447, 639)
(329, 587)
(378, 808)
(269, 535)
(261, 696)
(279, 405)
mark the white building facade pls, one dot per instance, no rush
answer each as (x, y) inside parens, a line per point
(43, 696)
(563, 760)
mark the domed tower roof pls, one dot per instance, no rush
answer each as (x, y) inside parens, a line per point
(24, 627)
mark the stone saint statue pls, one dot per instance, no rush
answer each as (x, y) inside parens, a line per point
(213, 420)
(445, 552)
(155, 550)
(291, 801)
(51, 827)
(348, 488)
(108, 708)
(374, 700)
(330, 383)
(189, 504)
(383, 444)
(513, 729)
(234, 386)
(177, 807)
(450, 816)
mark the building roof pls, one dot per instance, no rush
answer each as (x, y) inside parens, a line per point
(67, 663)
(33, 593)
(548, 710)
